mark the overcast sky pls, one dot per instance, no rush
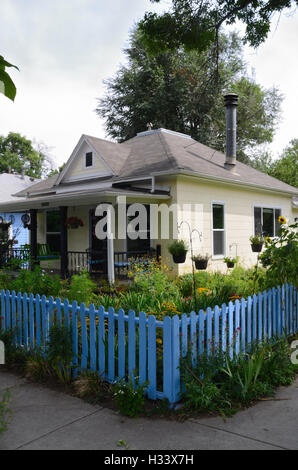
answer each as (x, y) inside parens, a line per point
(66, 48)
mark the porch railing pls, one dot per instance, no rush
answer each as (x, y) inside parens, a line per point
(95, 262)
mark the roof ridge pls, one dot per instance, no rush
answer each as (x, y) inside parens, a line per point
(169, 153)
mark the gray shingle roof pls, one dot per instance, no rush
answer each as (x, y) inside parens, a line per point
(165, 151)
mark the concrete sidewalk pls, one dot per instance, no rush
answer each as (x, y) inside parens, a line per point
(44, 419)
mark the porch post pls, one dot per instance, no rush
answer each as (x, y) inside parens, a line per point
(33, 237)
(63, 242)
(110, 246)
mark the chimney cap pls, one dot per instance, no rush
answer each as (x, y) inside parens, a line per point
(231, 99)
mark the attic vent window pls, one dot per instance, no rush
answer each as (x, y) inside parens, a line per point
(89, 160)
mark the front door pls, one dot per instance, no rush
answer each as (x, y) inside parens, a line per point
(98, 248)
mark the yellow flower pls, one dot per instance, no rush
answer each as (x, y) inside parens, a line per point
(282, 220)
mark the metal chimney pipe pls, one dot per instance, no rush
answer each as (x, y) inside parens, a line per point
(231, 103)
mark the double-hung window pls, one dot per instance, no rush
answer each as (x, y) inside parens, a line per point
(53, 230)
(266, 221)
(218, 229)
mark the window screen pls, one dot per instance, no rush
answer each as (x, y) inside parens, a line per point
(53, 230)
(218, 230)
(266, 221)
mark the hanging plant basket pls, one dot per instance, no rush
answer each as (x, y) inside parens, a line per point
(230, 265)
(74, 223)
(257, 247)
(201, 264)
(179, 258)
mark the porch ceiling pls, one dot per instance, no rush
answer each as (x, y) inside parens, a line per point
(81, 198)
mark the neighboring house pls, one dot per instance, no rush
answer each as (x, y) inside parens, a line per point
(11, 183)
(230, 201)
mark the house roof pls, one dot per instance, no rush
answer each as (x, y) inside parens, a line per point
(162, 151)
(10, 182)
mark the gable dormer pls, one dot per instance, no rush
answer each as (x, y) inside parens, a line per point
(85, 163)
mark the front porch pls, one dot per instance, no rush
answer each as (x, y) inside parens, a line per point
(66, 249)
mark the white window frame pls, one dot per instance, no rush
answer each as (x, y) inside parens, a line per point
(222, 203)
(264, 206)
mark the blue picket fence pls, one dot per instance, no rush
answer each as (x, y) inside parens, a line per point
(120, 346)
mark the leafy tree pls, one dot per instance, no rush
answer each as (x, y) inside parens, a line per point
(285, 168)
(182, 91)
(17, 154)
(195, 24)
(7, 87)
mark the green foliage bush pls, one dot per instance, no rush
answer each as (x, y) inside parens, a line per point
(281, 256)
(219, 383)
(130, 397)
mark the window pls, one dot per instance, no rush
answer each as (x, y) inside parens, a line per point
(218, 229)
(89, 159)
(53, 230)
(266, 221)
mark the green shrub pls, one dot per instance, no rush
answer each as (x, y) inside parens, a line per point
(81, 288)
(281, 255)
(219, 383)
(130, 397)
(37, 282)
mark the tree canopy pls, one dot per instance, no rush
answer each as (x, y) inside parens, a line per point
(183, 91)
(195, 24)
(17, 155)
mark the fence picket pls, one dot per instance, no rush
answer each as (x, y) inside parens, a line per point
(254, 317)
(111, 344)
(75, 336)
(131, 344)
(231, 329)
(167, 358)
(7, 307)
(184, 335)
(25, 320)
(92, 333)
(201, 331)
(243, 326)
(121, 344)
(224, 328)
(38, 320)
(19, 319)
(176, 358)
(31, 321)
(209, 331)
(143, 347)
(259, 316)
(3, 316)
(193, 337)
(101, 341)
(84, 337)
(152, 357)
(248, 323)
(237, 327)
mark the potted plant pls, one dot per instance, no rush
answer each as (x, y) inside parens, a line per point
(257, 243)
(178, 249)
(201, 262)
(230, 262)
